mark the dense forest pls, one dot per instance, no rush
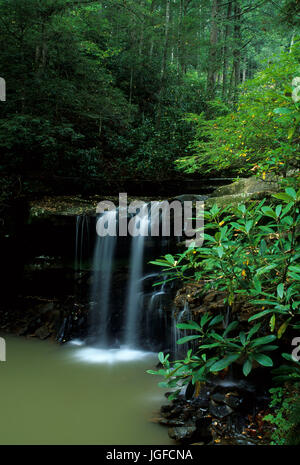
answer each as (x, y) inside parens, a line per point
(115, 89)
(107, 93)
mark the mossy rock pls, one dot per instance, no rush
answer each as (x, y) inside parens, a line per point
(246, 186)
(237, 199)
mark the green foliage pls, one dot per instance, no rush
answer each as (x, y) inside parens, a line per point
(251, 252)
(287, 373)
(286, 416)
(261, 136)
(214, 352)
(119, 78)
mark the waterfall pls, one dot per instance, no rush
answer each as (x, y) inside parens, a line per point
(134, 292)
(102, 267)
(135, 315)
(181, 317)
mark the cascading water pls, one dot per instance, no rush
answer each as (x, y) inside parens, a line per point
(126, 314)
(134, 293)
(181, 317)
(102, 267)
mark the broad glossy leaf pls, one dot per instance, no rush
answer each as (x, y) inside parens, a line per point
(224, 363)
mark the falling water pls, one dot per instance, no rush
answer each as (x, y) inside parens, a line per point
(145, 319)
(102, 266)
(134, 293)
(183, 316)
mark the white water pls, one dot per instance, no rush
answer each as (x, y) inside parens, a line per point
(143, 320)
(102, 267)
(134, 292)
(181, 317)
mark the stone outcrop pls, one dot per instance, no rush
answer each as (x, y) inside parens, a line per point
(244, 190)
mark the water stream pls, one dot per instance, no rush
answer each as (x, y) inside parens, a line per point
(103, 267)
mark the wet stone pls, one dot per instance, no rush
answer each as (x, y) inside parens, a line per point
(43, 332)
(218, 410)
(182, 433)
(219, 398)
(232, 400)
(171, 422)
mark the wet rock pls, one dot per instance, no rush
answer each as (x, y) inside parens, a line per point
(175, 411)
(22, 330)
(233, 400)
(218, 410)
(203, 428)
(191, 198)
(219, 397)
(42, 332)
(252, 185)
(182, 433)
(170, 422)
(47, 307)
(243, 191)
(237, 440)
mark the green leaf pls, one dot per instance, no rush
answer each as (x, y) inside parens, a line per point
(266, 268)
(243, 338)
(263, 359)
(280, 290)
(247, 367)
(272, 323)
(185, 339)
(283, 328)
(263, 340)
(205, 318)
(283, 111)
(260, 315)
(268, 348)
(278, 210)
(231, 327)
(248, 226)
(269, 212)
(163, 384)
(282, 196)
(161, 357)
(253, 331)
(224, 363)
(291, 192)
(217, 319)
(189, 325)
(170, 259)
(220, 251)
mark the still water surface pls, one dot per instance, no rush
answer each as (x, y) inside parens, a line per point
(52, 394)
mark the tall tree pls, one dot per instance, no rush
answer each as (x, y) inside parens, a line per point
(213, 50)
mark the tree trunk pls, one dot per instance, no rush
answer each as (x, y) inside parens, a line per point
(237, 49)
(225, 52)
(166, 41)
(213, 51)
(164, 60)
